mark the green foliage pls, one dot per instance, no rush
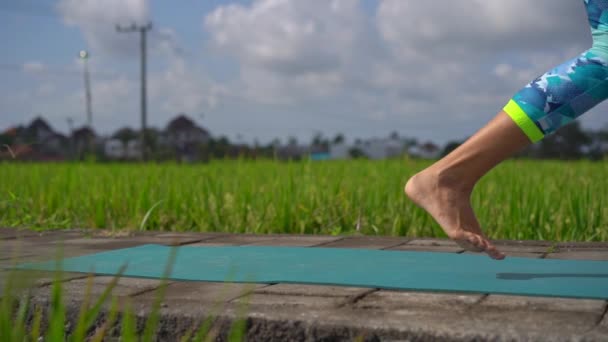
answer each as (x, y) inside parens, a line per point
(520, 199)
(16, 308)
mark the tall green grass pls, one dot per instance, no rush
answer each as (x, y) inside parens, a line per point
(520, 199)
(22, 319)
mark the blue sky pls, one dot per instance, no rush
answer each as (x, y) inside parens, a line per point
(261, 69)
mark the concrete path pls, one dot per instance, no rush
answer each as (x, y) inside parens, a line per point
(287, 312)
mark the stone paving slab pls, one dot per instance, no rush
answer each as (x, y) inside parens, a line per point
(430, 248)
(429, 245)
(588, 306)
(184, 294)
(35, 278)
(301, 302)
(233, 240)
(45, 254)
(432, 242)
(296, 241)
(535, 325)
(125, 287)
(41, 251)
(523, 249)
(417, 325)
(580, 255)
(297, 295)
(279, 312)
(538, 243)
(311, 290)
(515, 254)
(366, 242)
(404, 301)
(8, 233)
(582, 245)
(118, 243)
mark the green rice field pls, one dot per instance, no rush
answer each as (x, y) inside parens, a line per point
(520, 199)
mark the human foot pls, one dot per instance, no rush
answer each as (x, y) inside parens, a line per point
(449, 204)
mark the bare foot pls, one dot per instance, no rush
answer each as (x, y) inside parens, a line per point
(449, 204)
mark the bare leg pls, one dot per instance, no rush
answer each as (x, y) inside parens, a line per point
(444, 188)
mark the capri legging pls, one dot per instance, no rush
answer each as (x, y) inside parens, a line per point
(569, 90)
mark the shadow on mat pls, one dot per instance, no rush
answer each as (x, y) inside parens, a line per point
(528, 276)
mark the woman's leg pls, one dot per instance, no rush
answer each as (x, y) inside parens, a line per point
(546, 104)
(444, 188)
(539, 109)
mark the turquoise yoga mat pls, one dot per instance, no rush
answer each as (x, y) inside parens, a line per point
(397, 270)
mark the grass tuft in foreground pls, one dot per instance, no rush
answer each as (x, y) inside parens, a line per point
(21, 320)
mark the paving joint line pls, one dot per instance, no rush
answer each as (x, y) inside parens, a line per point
(300, 294)
(184, 243)
(354, 299)
(50, 282)
(144, 291)
(247, 293)
(197, 241)
(393, 246)
(479, 301)
(328, 242)
(603, 315)
(599, 321)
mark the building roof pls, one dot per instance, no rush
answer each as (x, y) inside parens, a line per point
(182, 122)
(83, 132)
(125, 133)
(39, 123)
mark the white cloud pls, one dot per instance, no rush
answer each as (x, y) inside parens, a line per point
(33, 67)
(419, 63)
(46, 89)
(290, 50)
(98, 20)
(432, 69)
(184, 87)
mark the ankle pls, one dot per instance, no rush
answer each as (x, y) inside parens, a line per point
(454, 180)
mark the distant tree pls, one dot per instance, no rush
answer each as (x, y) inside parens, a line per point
(317, 139)
(292, 141)
(356, 152)
(603, 134)
(410, 142)
(566, 143)
(276, 142)
(319, 142)
(449, 147)
(338, 139)
(152, 137)
(125, 134)
(394, 135)
(5, 139)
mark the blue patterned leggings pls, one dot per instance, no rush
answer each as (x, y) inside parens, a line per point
(566, 92)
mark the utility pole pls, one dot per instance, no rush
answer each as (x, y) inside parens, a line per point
(84, 55)
(142, 30)
(71, 139)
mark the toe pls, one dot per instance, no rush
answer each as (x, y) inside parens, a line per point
(468, 242)
(482, 244)
(494, 253)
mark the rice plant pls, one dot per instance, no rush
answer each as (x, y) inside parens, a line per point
(520, 199)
